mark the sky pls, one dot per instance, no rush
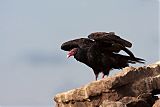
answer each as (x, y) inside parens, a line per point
(33, 68)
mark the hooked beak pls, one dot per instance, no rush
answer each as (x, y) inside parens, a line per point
(69, 55)
(71, 52)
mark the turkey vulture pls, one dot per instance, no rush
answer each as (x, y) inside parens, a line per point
(100, 51)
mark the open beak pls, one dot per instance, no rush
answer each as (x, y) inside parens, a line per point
(69, 55)
(71, 52)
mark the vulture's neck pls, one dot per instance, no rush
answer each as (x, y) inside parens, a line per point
(81, 55)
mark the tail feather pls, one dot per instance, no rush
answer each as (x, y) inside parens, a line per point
(132, 57)
(139, 60)
(129, 59)
(122, 61)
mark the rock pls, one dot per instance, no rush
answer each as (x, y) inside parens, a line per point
(132, 87)
(157, 103)
(107, 103)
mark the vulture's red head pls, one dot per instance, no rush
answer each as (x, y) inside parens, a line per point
(73, 46)
(72, 52)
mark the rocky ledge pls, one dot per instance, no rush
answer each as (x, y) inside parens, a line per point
(132, 87)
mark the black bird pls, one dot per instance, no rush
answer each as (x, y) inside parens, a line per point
(100, 51)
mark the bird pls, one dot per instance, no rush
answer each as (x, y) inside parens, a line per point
(100, 51)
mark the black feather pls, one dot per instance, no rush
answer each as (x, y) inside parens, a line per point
(100, 51)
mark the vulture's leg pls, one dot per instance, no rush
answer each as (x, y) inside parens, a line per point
(96, 76)
(103, 75)
(106, 72)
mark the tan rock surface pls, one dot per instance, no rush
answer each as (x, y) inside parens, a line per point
(157, 103)
(132, 87)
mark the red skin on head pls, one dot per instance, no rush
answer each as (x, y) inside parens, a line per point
(72, 52)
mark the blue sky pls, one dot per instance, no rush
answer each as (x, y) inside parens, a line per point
(33, 68)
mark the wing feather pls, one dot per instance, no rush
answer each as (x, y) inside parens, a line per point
(109, 38)
(81, 43)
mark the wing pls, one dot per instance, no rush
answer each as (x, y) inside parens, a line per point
(109, 38)
(109, 42)
(76, 43)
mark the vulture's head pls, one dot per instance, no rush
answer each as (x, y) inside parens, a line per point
(75, 47)
(72, 52)
(70, 47)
